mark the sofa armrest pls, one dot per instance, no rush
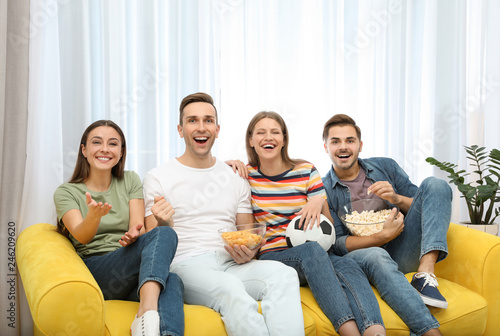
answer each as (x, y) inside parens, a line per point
(62, 294)
(473, 262)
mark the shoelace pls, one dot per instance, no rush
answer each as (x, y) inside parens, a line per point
(430, 279)
(143, 331)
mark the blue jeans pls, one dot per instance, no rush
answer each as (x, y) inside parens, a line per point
(121, 273)
(338, 284)
(393, 287)
(426, 225)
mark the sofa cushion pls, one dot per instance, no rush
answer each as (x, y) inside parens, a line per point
(200, 321)
(466, 313)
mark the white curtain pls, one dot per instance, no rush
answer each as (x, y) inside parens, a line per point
(420, 77)
(14, 51)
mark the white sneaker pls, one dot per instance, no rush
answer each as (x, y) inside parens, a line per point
(146, 325)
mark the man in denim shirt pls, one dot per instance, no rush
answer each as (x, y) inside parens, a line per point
(411, 242)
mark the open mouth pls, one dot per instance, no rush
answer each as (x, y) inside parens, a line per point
(344, 156)
(201, 140)
(268, 146)
(103, 159)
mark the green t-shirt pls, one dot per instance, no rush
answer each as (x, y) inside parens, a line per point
(113, 225)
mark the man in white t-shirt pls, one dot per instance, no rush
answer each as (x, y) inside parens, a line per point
(197, 195)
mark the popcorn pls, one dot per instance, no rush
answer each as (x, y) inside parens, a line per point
(366, 222)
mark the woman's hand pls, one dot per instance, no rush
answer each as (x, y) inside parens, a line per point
(85, 229)
(242, 254)
(96, 210)
(311, 212)
(131, 235)
(239, 167)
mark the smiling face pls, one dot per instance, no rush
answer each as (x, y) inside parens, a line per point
(267, 139)
(343, 147)
(103, 149)
(199, 129)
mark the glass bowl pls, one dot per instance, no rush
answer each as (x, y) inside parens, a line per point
(364, 217)
(250, 235)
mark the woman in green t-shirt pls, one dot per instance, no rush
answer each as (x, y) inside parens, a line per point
(101, 210)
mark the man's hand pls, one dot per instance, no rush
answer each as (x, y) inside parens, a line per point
(384, 190)
(131, 235)
(163, 212)
(393, 227)
(242, 254)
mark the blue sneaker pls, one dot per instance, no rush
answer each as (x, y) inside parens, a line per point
(426, 285)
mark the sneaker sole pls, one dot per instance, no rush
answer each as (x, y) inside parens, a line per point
(434, 303)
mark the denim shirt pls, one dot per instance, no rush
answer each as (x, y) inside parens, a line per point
(376, 169)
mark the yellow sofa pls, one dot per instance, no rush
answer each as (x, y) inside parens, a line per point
(64, 298)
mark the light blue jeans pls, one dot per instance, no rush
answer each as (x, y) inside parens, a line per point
(338, 284)
(426, 226)
(121, 273)
(394, 288)
(214, 280)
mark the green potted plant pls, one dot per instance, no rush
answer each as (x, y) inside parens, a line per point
(485, 188)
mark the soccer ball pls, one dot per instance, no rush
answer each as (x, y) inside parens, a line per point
(324, 235)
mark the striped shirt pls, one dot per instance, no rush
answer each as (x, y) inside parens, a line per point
(276, 199)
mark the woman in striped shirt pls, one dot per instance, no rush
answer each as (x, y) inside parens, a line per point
(282, 189)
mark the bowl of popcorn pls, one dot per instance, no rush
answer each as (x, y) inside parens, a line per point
(364, 217)
(250, 235)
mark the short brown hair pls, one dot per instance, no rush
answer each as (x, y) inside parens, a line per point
(340, 120)
(198, 97)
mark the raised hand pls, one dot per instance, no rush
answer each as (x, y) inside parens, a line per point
(131, 235)
(163, 211)
(384, 190)
(96, 210)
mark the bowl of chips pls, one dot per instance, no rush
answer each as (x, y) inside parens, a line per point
(250, 235)
(365, 217)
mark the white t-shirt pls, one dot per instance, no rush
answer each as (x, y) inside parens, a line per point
(204, 200)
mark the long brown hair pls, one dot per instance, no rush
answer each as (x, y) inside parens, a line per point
(253, 158)
(82, 167)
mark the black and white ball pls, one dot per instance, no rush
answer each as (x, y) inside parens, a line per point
(324, 234)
